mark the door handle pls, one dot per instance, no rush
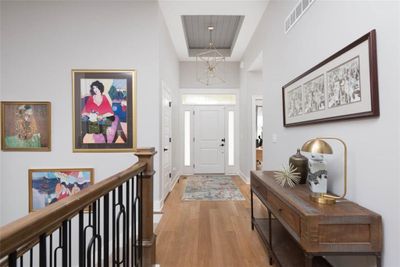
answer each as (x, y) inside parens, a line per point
(223, 140)
(165, 149)
(221, 145)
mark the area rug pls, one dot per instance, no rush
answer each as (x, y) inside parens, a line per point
(210, 188)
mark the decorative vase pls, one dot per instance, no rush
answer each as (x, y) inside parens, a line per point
(317, 174)
(301, 163)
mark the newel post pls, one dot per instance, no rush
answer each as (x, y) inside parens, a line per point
(146, 155)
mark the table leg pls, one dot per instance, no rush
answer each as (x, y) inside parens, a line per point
(378, 260)
(270, 236)
(252, 212)
(308, 259)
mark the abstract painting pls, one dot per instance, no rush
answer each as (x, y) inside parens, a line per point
(26, 126)
(104, 111)
(47, 186)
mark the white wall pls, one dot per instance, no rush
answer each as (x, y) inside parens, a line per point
(40, 43)
(187, 76)
(373, 143)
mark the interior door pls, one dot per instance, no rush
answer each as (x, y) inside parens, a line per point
(209, 139)
(166, 140)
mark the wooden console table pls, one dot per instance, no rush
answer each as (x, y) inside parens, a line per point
(303, 231)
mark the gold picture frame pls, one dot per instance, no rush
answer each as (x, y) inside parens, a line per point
(104, 110)
(26, 126)
(47, 186)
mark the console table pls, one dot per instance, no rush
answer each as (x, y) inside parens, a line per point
(298, 232)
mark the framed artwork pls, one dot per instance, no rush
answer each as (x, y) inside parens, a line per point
(25, 126)
(343, 86)
(47, 186)
(104, 110)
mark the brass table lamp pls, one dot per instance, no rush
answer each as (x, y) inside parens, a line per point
(318, 145)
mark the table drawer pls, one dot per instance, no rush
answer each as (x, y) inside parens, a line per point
(259, 189)
(285, 212)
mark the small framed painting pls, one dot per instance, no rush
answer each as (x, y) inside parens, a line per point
(25, 126)
(47, 186)
(104, 110)
(344, 86)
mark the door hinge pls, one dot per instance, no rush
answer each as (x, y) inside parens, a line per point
(194, 139)
(193, 112)
(170, 104)
(170, 139)
(170, 175)
(194, 166)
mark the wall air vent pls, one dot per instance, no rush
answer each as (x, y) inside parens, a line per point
(294, 16)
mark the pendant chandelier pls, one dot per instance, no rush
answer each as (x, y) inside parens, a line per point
(209, 64)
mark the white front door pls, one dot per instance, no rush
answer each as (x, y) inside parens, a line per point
(209, 129)
(166, 140)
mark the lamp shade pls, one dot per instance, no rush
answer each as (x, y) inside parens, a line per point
(317, 146)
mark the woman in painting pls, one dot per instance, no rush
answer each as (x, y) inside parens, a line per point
(65, 192)
(98, 115)
(25, 128)
(75, 189)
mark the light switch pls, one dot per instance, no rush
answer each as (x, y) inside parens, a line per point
(274, 138)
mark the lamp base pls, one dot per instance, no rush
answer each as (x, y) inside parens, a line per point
(322, 199)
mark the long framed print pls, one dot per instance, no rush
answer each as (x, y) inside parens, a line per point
(343, 86)
(25, 126)
(104, 110)
(47, 186)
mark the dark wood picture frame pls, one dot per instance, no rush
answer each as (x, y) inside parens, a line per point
(331, 107)
(118, 115)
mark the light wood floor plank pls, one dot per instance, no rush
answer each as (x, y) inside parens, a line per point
(209, 233)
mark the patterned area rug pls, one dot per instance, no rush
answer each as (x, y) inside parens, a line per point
(211, 187)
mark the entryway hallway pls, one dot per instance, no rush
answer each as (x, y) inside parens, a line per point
(209, 233)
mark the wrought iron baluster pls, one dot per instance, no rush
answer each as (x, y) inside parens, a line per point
(106, 228)
(31, 257)
(81, 248)
(42, 251)
(12, 259)
(113, 228)
(50, 250)
(65, 243)
(126, 236)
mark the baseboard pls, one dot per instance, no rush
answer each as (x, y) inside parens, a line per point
(245, 178)
(175, 180)
(157, 206)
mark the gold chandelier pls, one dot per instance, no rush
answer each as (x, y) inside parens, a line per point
(209, 64)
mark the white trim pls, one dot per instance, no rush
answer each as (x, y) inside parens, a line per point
(158, 205)
(244, 177)
(254, 98)
(175, 180)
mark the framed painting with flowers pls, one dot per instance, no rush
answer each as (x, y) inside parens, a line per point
(25, 126)
(104, 110)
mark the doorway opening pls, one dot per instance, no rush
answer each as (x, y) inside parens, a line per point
(257, 132)
(209, 139)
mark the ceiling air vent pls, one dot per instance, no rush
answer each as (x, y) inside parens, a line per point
(294, 16)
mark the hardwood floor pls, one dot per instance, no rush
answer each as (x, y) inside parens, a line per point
(209, 233)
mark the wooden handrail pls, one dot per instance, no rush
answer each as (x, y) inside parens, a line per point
(29, 228)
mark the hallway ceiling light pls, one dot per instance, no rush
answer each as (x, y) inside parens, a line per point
(210, 63)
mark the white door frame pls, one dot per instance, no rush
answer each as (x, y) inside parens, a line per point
(188, 170)
(254, 99)
(165, 185)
